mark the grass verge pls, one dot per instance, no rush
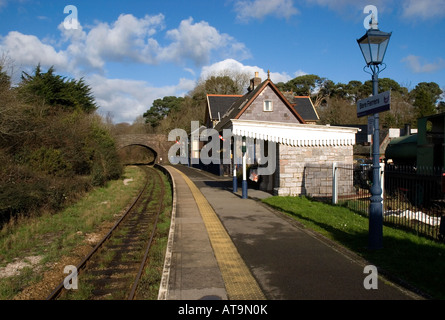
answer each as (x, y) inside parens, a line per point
(49, 237)
(405, 255)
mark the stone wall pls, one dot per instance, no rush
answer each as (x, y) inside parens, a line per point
(308, 170)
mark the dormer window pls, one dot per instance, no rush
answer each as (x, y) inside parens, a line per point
(268, 106)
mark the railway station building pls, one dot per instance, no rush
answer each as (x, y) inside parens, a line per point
(301, 152)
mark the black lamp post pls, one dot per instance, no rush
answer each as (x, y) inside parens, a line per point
(244, 183)
(373, 46)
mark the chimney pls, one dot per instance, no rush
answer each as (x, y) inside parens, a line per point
(407, 129)
(255, 82)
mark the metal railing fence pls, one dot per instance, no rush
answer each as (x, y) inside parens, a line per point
(413, 198)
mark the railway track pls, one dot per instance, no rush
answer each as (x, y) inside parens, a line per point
(113, 269)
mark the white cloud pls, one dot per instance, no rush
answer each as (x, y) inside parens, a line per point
(299, 73)
(130, 39)
(28, 50)
(127, 99)
(126, 39)
(425, 9)
(231, 64)
(87, 50)
(419, 65)
(191, 71)
(196, 42)
(258, 9)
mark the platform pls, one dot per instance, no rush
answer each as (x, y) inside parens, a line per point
(225, 247)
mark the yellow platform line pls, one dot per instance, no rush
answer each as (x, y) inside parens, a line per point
(240, 283)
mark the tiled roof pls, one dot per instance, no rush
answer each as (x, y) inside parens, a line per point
(304, 107)
(219, 104)
(239, 106)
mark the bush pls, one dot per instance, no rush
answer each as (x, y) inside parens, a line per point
(53, 147)
(50, 161)
(106, 163)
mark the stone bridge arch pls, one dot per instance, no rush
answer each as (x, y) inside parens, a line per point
(158, 143)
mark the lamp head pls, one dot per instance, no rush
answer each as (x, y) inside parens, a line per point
(373, 46)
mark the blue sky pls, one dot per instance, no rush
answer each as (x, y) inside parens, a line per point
(133, 52)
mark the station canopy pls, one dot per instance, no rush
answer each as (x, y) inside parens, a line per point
(295, 134)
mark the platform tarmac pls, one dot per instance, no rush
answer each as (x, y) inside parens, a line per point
(224, 247)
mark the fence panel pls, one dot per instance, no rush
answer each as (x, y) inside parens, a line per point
(414, 199)
(356, 186)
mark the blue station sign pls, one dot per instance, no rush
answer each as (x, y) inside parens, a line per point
(374, 104)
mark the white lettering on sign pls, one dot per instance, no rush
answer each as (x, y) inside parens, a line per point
(374, 104)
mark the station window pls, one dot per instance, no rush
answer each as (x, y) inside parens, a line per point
(268, 106)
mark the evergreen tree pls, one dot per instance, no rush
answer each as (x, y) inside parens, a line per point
(423, 103)
(425, 96)
(57, 91)
(161, 108)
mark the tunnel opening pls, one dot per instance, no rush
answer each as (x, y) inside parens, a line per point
(137, 154)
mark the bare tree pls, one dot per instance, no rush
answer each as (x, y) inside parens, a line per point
(227, 81)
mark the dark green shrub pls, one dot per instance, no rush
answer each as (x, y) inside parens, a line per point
(50, 161)
(106, 163)
(53, 147)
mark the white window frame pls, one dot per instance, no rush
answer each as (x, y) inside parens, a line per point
(265, 109)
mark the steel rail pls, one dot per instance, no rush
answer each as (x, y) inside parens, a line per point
(147, 250)
(54, 294)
